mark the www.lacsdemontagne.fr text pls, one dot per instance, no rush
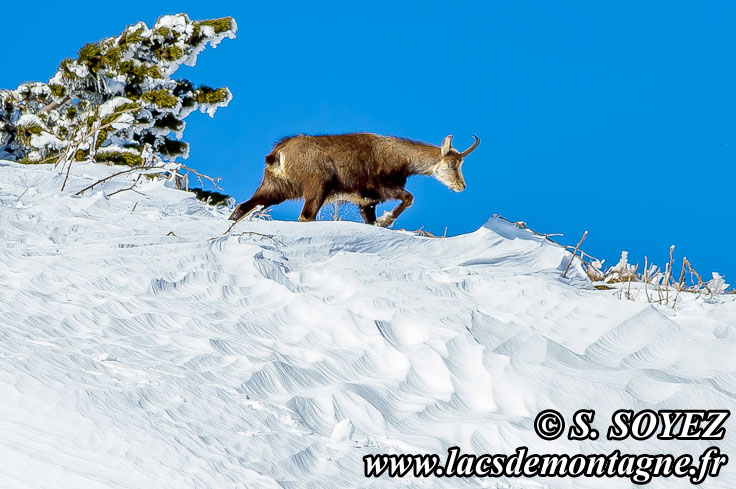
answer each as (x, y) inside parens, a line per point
(639, 468)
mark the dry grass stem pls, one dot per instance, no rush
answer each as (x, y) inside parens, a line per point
(574, 253)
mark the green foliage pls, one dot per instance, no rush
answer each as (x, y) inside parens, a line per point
(160, 98)
(136, 72)
(101, 137)
(169, 122)
(172, 148)
(170, 53)
(26, 131)
(211, 197)
(163, 32)
(31, 128)
(91, 56)
(58, 91)
(218, 25)
(112, 56)
(65, 68)
(208, 95)
(128, 39)
(123, 108)
(29, 161)
(119, 158)
(90, 52)
(116, 102)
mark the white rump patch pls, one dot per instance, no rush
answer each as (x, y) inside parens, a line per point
(277, 169)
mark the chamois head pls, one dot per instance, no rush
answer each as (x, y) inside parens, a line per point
(448, 168)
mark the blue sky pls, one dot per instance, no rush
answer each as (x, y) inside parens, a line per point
(616, 118)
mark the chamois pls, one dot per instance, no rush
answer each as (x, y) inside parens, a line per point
(361, 168)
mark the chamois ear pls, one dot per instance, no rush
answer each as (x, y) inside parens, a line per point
(446, 145)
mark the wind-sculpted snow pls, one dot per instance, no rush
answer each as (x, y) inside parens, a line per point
(141, 348)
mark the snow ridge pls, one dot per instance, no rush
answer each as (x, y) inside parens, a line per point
(142, 348)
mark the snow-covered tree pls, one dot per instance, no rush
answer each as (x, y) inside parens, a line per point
(116, 102)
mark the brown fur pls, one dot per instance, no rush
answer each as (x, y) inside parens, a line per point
(362, 168)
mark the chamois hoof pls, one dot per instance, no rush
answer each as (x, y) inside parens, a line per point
(385, 220)
(237, 213)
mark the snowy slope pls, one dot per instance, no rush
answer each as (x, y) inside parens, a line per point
(137, 352)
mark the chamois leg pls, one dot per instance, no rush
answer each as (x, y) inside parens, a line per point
(313, 202)
(368, 212)
(262, 197)
(406, 198)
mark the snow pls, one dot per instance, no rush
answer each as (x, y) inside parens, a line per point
(30, 120)
(114, 148)
(177, 23)
(38, 89)
(717, 285)
(213, 40)
(47, 140)
(623, 270)
(112, 105)
(210, 109)
(141, 347)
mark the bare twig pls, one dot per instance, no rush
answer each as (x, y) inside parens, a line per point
(426, 234)
(583, 253)
(68, 170)
(227, 231)
(267, 236)
(123, 172)
(199, 175)
(668, 278)
(701, 282)
(54, 105)
(421, 232)
(680, 282)
(251, 233)
(132, 187)
(546, 236)
(574, 253)
(263, 213)
(646, 278)
(88, 135)
(663, 283)
(21, 195)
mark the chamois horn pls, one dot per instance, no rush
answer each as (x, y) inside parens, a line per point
(472, 147)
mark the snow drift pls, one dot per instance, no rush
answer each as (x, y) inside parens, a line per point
(142, 348)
